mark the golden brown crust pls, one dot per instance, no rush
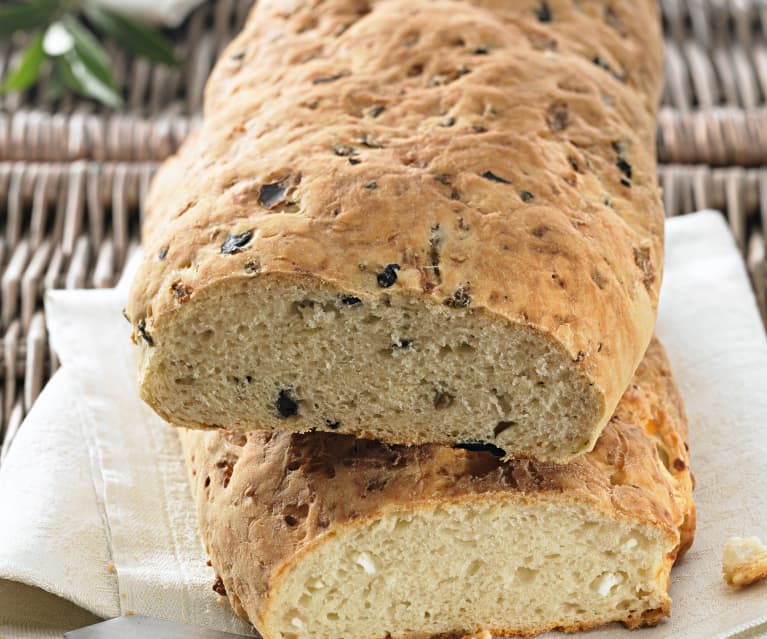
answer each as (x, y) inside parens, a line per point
(528, 140)
(646, 619)
(264, 499)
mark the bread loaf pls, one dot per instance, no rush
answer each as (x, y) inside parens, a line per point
(326, 536)
(415, 221)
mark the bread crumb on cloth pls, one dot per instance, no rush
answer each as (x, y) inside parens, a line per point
(744, 561)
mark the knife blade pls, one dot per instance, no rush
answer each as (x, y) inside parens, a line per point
(139, 627)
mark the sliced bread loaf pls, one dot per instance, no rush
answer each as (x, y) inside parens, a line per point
(326, 536)
(413, 221)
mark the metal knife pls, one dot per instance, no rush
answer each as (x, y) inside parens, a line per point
(138, 627)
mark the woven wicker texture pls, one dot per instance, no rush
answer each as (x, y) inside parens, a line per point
(73, 174)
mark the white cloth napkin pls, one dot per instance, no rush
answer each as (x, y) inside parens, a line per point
(95, 508)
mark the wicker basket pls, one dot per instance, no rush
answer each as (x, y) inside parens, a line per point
(73, 175)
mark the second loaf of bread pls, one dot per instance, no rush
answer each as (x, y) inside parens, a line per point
(324, 536)
(416, 221)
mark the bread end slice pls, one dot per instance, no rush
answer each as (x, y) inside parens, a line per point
(293, 354)
(511, 567)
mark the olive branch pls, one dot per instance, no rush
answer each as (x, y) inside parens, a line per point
(62, 35)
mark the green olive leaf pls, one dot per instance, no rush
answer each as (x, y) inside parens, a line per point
(78, 76)
(23, 16)
(90, 51)
(26, 72)
(132, 35)
(80, 63)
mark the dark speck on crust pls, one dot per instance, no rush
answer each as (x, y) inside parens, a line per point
(370, 142)
(544, 12)
(141, 328)
(603, 64)
(489, 175)
(344, 150)
(163, 252)
(377, 110)
(180, 291)
(350, 300)
(558, 116)
(459, 299)
(625, 167)
(252, 267)
(271, 194)
(388, 276)
(527, 196)
(234, 243)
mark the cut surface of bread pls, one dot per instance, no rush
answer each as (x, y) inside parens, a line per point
(744, 561)
(427, 222)
(327, 536)
(510, 566)
(436, 367)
